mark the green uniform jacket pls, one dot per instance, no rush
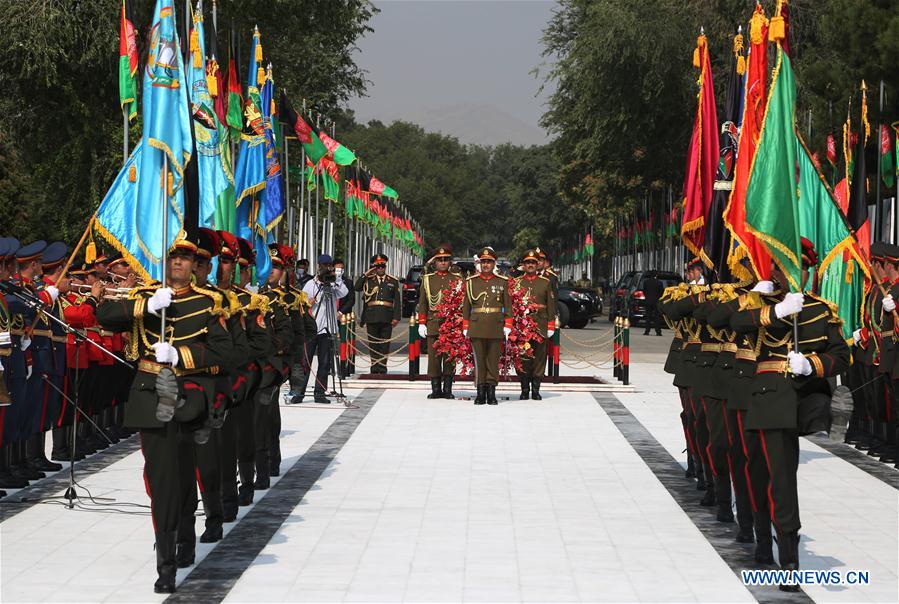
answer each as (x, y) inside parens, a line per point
(673, 361)
(196, 325)
(381, 299)
(695, 365)
(430, 294)
(487, 306)
(259, 331)
(540, 293)
(872, 320)
(736, 362)
(278, 362)
(776, 392)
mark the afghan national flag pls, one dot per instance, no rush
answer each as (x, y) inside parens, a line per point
(887, 166)
(330, 175)
(588, 245)
(753, 115)
(305, 133)
(379, 188)
(702, 160)
(340, 154)
(127, 61)
(234, 112)
(857, 212)
(772, 202)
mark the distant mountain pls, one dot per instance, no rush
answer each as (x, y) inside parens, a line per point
(475, 124)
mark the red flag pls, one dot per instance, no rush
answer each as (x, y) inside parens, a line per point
(702, 159)
(753, 118)
(831, 150)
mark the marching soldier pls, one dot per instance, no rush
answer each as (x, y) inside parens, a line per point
(673, 365)
(790, 391)
(487, 320)
(440, 369)
(381, 309)
(541, 298)
(174, 385)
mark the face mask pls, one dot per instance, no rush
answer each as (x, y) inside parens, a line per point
(301, 272)
(338, 272)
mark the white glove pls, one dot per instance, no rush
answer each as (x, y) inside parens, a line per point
(765, 287)
(889, 304)
(53, 291)
(253, 289)
(24, 343)
(550, 333)
(792, 304)
(423, 331)
(799, 365)
(165, 353)
(4, 338)
(29, 372)
(506, 332)
(464, 333)
(159, 300)
(857, 336)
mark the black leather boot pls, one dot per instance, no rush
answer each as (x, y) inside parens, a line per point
(708, 500)
(7, 480)
(212, 506)
(24, 465)
(38, 456)
(166, 568)
(448, 386)
(535, 389)
(435, 389)
(482, 395)
(725, 512)
(525, 388)
(185, 552)
(764, 554)
(245, 491)
(691, 467)
(763, 549)
(491, 394)
(788, 552)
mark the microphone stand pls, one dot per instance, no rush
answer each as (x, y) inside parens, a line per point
(80, 336)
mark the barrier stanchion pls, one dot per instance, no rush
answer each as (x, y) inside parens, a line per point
(351, 344)
(557, 349)
(414, 348)
(616, 366)
(626, 352)
(344, 352)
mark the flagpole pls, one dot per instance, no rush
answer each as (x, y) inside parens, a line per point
(165, 237)
(287, 189)
(125, 137)
(879, 211)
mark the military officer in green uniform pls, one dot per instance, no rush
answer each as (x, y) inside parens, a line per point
(174, 385)
(543, 304)
(487, 320)
(381, 309)
(440, 369)
(545, 269)
(790, 393)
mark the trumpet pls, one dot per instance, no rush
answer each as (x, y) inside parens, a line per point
(109, 293)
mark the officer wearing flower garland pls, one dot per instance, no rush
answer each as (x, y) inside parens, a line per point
(543, 302)
(440, 368)
(487, 320)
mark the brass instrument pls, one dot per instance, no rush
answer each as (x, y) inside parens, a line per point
(109, 293)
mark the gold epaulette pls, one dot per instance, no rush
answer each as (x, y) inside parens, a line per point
(750, 300)
(302, 299)
(218, 308)
(727, 292)
(834, 309)
(258, 302)
(504, 278)
(137, 291)
(234, 305)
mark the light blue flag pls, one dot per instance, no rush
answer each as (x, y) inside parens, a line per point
(248, 228)
(213, 165)
(131, 214)
(273, 196)
(249, 177)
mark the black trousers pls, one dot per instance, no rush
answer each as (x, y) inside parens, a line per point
(781, 451)
(228, 464)
(756, 471)
(266, 401)
(653, 318)
(318, 347)
(736, 460)
(168, 461)
(701, 436)
(715, 411)
(379, 335)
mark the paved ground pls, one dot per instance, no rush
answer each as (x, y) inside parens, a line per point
(580, 497)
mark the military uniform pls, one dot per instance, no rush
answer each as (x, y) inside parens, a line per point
(381, 307)
(542, 302)
(486, 315)
(785, 405)
(440, 369)
(672, 366)
(197, 332)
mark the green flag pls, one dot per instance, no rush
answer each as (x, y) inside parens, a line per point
(772, 212)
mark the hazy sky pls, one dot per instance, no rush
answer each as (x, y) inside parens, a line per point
(428, 58)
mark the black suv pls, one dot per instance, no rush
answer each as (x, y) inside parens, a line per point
(618, 295)
(411, 283)
(635, 300)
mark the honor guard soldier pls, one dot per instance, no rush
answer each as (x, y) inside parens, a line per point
(540, 298)
(790, 393)
(441, 369)
(544, 269)
(174, 386)
(381, 309)
(487, 321)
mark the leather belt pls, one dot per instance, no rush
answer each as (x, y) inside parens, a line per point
(539, 305)
(381, 303)
(148, 366)
(773, 367)
(728, 347)
(711, 348)
(46, 333)
(487, 309)
(745, 354)
(17, 332)
(102, 332)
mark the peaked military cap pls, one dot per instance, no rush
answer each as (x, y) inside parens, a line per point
(208, 243)
(230, 249)
(32, 251)
(247, 253)
(444, 250)
(379, 259)
(487, 253)
(530, 255)
(54, 254)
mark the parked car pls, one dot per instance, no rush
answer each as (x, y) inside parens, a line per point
(576, 306)
(411, 282)
(618, 295)
(636, 300)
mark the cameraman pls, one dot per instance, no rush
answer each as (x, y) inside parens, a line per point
(326, 286)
